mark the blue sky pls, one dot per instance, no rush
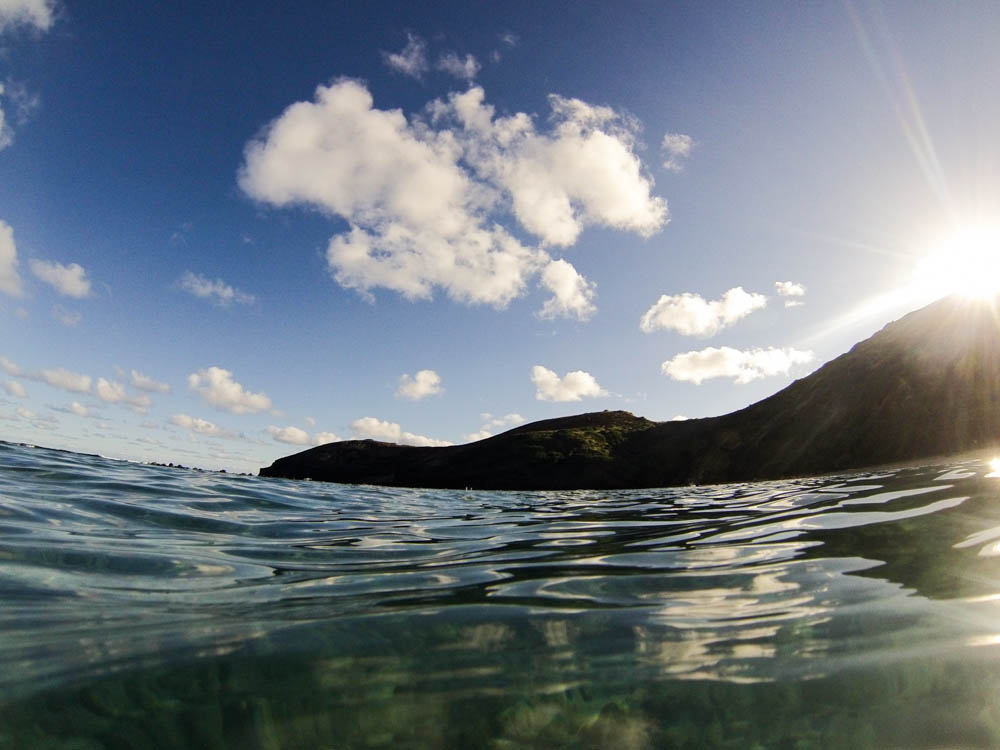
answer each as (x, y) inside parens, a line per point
(233, 230)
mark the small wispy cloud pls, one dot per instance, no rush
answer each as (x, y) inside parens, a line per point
(77, 409)
(491, 423)
(36, 420)
(422, 385)
(69, 318)
(10, 279)
(297, 436)
(36, 13)
(113, 392)
(218, 388)
(391, 432)
(790, 289)
(572, 386)
(63, 379)
(200, 426)
(69, 280)
(148, 384)
(465, 69)
(218, 292)
(676, 148)
(411, 60)
(13, 388)
(26, 103)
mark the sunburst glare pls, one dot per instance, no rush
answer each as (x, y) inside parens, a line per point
(967, 262)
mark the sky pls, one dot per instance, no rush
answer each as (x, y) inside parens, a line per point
(232, 231)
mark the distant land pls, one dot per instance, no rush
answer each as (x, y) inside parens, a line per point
(926, 385)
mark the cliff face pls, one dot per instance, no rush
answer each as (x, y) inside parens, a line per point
(927, 384)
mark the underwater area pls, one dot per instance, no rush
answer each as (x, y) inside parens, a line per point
(155, 607)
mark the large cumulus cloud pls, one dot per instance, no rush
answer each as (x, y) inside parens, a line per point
(456, 199)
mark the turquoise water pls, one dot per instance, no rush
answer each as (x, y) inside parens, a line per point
(150, 607)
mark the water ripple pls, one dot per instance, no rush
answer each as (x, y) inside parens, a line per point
(106, 565)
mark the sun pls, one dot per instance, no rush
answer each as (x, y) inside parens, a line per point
(967, 262)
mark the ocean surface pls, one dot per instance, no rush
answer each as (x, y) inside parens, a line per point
(152, 607)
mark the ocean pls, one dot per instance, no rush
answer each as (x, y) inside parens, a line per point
(153, 607)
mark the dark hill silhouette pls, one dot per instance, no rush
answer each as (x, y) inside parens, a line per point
(925, 385)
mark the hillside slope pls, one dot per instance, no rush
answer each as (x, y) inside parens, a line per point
(927, 384)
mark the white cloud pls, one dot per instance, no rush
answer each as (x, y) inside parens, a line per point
(148, 384)
(425, 383)
(69, 318)
(491, 423)
(411, 60)
(790, 289)
(572, 294)
(79, 409)
(571, 387)
(25, 102)
(676, 147)
(452, 64)
(472, 437)
(691, 315)
(200, 426)
(742, 366)
(37, 13)
(218, 389)
(70, 281)
(113, 392)
(290, 435)
(13, 388)
(509, 38)
(6, 132)
(310, 421)
(426, 200)
(414, 213)
(297, 436)
(584, 171)
(217, 292)
(391, 432)
(10, 367)
(13, 13)
(10, 280)
(65, 380)
(507, 420)
(38, 421)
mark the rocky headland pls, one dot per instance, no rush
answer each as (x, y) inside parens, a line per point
(926, 385)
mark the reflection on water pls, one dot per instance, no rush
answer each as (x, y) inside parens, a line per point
(150, 607)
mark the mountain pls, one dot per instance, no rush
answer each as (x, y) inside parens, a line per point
(927, 384)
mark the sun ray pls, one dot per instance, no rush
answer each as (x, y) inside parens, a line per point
(904, 102)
